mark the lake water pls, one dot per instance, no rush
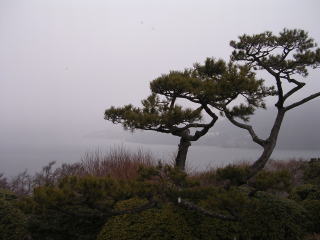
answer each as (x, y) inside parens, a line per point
(15, 159)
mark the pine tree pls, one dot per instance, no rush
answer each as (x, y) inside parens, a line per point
(286, 58)
(213, 83)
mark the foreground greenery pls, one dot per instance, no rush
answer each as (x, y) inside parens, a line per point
(162, 202)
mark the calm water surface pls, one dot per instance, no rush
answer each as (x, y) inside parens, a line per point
(14, 159)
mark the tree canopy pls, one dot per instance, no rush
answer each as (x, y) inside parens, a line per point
(214, 83)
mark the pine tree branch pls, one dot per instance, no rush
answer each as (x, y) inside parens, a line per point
(194, 125)
(280, 102)
(173, 100)
(293, 90)
(261, 64)
(96, 213)
(285, 53)
(202, 132)
(298, 86)
(192, 206)
(256, 59)
(209, 112)
(157, 129)
(307, 99)
(206, 127)
(249, 128)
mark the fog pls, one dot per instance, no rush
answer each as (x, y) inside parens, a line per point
(63, 62)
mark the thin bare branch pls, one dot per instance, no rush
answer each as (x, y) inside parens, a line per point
(206, 127)
(202, 132)
(173, 100)
(205, 212)
(307, 99)
(293, 90)
(96, 213)
(209, 112)
(267, 68)
(249, 128)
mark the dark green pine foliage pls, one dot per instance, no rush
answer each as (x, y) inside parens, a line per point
(213, 84)
(217, 84)
(155, 114)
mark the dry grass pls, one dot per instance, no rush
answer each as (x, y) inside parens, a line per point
(294, 166)
(118, 163)
(290, 164)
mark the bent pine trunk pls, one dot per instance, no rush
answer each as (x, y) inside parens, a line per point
(180, 161)
(268, 147)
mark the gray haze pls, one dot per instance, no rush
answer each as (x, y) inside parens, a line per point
(63, 62)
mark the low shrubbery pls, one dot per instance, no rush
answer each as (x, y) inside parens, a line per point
(13, 223)
(161, 222)
(312, 171)
(128, 196)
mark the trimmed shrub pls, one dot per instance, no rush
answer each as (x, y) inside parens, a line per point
(271, 218)
(12, 222)
(313, 207)
(303, 192)
(236, 175)
(158, 223)
(308, 196)
(263, 217)
(74, 209)
(311, 172)
(280, 180)
(208, 228)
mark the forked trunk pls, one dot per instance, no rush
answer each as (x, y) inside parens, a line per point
(182, 153)
(268, 147)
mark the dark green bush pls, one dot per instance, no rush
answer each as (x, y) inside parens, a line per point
(158, 223)
(236, 175)
(269, 217)
(313, 208)
(311, 172)
(262, 217)
(13, 223)
(306, 191)
(208, 228)
(75, 209)
(272, 180)
(308, 196)
(7, 195)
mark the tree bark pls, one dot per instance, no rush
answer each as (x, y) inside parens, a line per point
(182, 153)
(269, 145)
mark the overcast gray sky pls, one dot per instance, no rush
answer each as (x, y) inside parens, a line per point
(63, 62)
